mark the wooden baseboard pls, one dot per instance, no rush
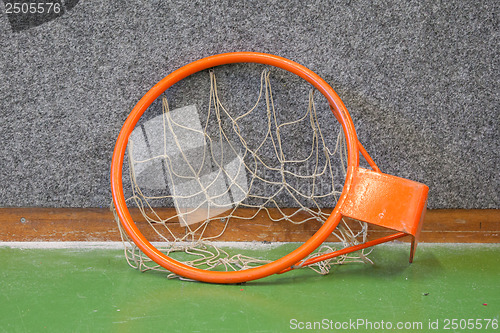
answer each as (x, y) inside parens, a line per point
(97, 224)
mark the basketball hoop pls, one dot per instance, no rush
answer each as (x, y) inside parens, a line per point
(367, 195)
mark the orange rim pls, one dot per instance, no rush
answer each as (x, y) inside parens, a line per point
(337, 107)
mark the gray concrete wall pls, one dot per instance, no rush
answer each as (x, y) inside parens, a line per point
(420, 79)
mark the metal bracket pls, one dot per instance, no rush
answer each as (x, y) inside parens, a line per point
(388, 201)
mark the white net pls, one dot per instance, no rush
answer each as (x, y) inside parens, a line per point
(225, 170)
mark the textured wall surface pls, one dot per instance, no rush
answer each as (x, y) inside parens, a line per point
(421, 80)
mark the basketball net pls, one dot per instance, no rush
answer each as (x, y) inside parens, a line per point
(216, 176)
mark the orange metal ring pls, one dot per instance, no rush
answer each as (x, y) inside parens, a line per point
(279, 265)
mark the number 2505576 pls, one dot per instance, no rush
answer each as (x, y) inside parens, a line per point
(32, 8)
(471, 324)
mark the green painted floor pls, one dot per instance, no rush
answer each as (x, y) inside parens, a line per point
(93, 290)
